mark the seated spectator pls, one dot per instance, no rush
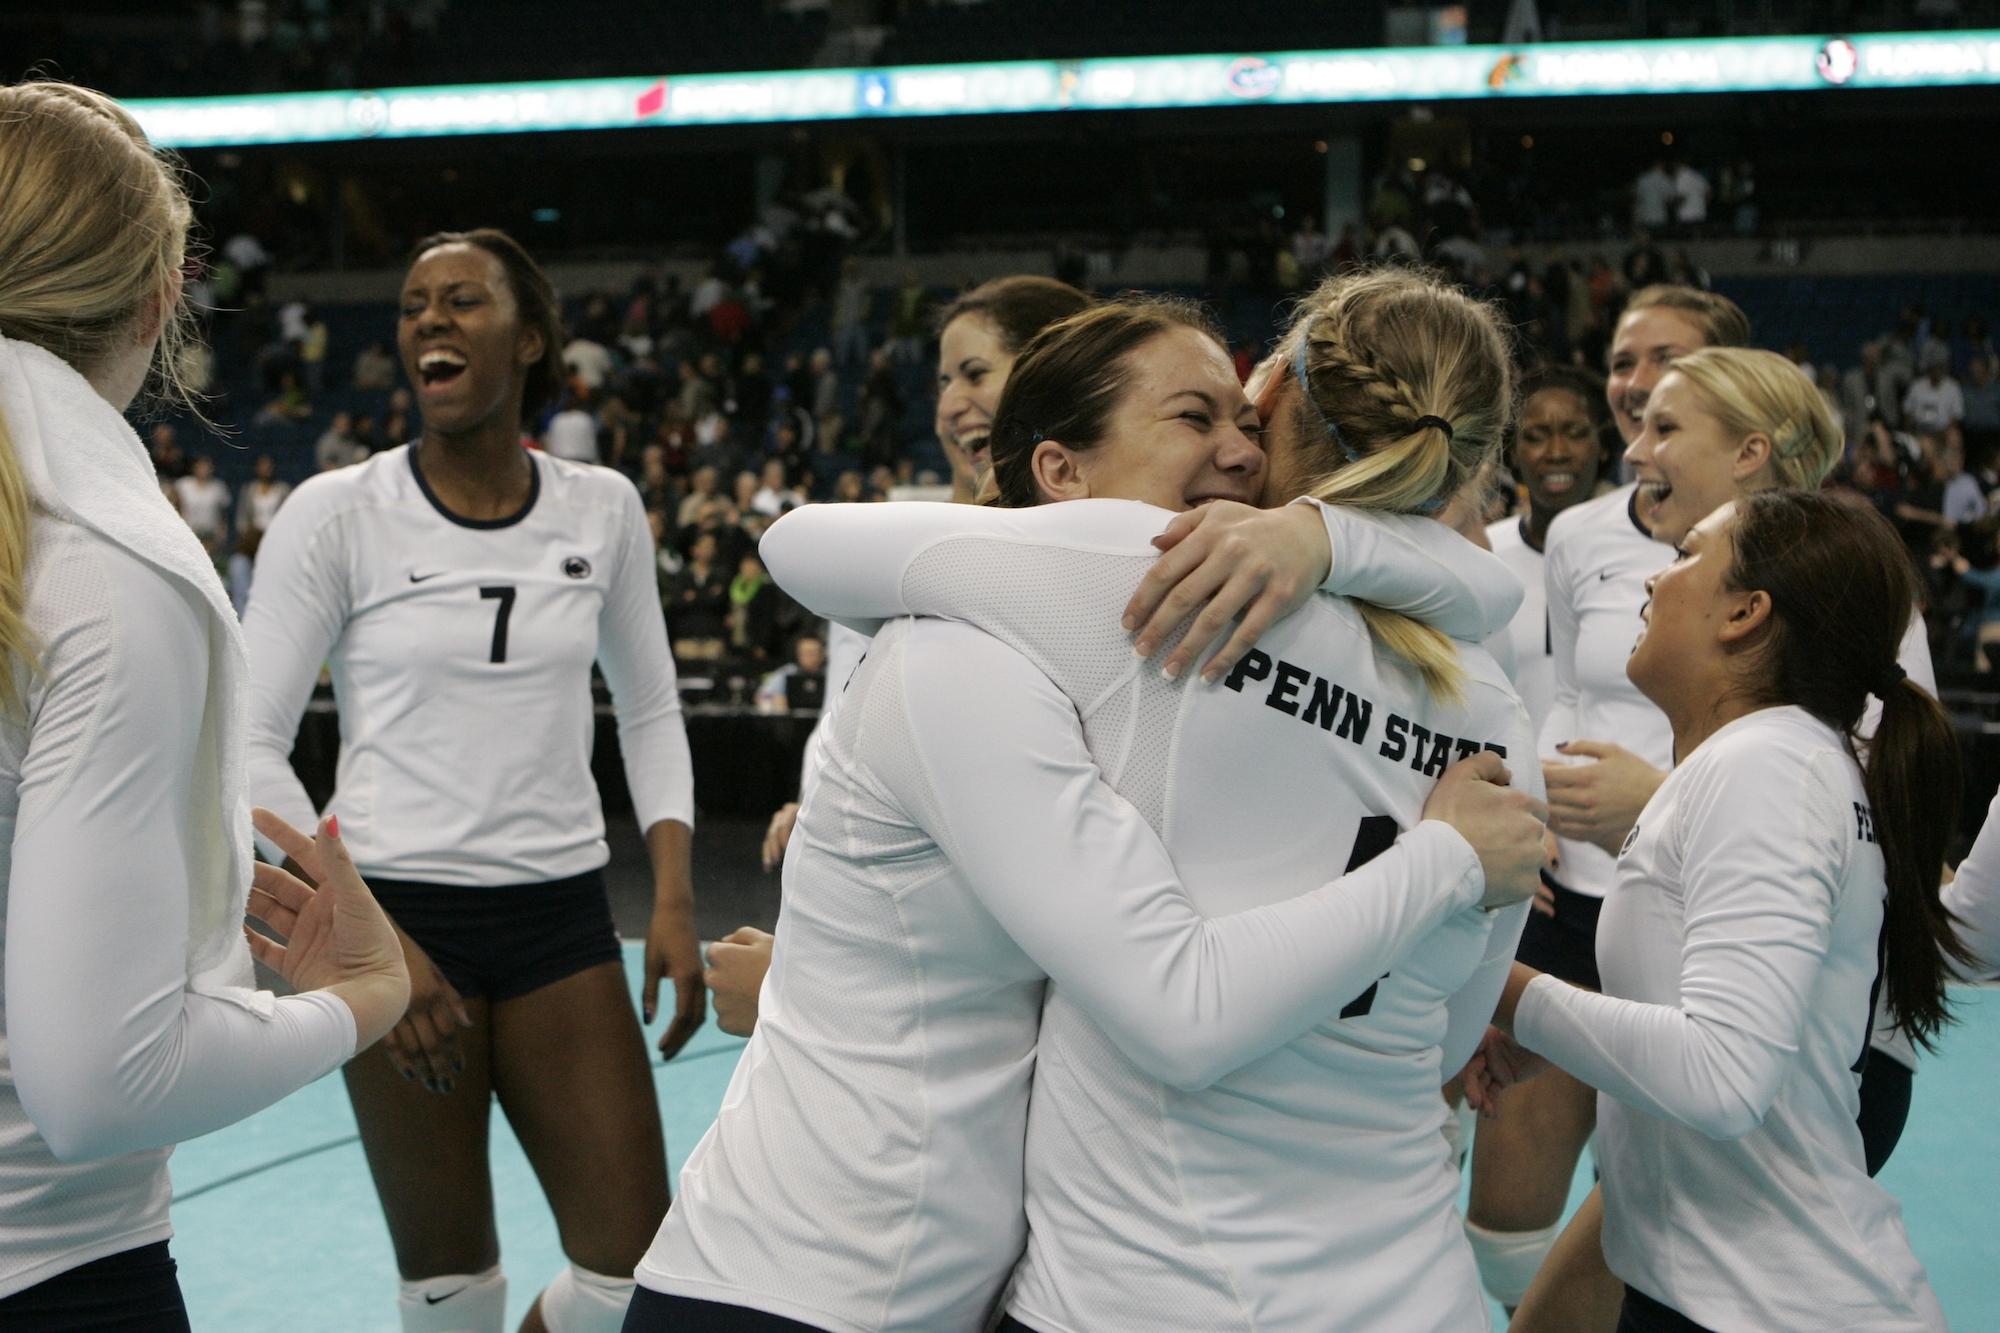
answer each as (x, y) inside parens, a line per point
(800, 684)
(750, 402)
(1979, 634)
(260, 500)
(338, 446)
(1654, 195)
(196, 363)
(909, 320)
(289, 406)
(757, 613)
(851, 302)
(243, 568)
(204, 503)
(1933, 403)
(312, 352)
(881, 409)
(590, 362)
(657, 489)
(572, 431)
(825, 401)
(848, 489)
(375, 368)
(1981, 396)
(169, 463)
(666, 560)
(1964, 497)
(744, 492)
(774, 496)
(698, 604)
(703, 488)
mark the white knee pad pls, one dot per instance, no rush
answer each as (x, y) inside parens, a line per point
(456, 1303)
(580, 1301)
(1509, 1260)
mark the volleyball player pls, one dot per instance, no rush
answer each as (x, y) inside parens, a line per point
(1720, 424)
(1309, 1187)
(979, 337)
(1973, 898)
(461, 588)
(1770, 888)
(129, 1019)
(1561, 439)
(1607, 748)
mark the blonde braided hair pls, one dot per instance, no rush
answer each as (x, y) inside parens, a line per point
(1412, 384)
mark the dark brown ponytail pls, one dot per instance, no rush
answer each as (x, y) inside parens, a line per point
(1842, 593)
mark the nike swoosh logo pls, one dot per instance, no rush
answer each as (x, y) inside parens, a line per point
(439, 1300)
(1604, 577)
(424, 578)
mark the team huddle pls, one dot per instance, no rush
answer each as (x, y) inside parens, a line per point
(1216, 807)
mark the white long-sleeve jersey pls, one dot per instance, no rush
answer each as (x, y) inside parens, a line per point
(1973, 896)
(1281, 1180)
(107, 1059)
(1598, 557)
(461, 655)
(1534, 669)
(1738, 952)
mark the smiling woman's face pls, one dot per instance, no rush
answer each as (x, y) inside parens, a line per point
(973, 364)
(461, 338)
(1182, 432)
(1685, 461)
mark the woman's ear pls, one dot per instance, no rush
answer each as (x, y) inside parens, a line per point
(1058, 473)
(1749, 613)
(1753, 455)
(153, 316)
(529, 348)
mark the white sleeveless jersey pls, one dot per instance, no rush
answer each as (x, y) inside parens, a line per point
(461, 655)
(1738, 951)
(1301, 1185)
(1534, 671)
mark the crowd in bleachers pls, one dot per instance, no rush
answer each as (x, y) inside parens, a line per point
(782, 377)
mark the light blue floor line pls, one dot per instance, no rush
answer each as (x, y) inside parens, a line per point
(278, 1230)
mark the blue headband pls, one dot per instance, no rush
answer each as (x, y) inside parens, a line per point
(1301, 374)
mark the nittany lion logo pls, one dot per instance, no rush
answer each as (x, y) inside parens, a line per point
(577, 567)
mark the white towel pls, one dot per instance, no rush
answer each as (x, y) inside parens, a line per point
(84, 463)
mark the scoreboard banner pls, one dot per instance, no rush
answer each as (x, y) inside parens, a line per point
(1394, 74)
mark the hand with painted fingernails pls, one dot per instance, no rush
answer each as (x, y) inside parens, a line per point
(331, 934)
(1221, 561)
(1502, 822)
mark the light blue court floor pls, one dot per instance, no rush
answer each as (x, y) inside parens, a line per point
(277, 1229)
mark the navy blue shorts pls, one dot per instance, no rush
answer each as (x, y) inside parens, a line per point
(1564, 945)
(1642, 1314)
(1885, 1107)
(502, 943)
(655, 1312)
(134, 1291)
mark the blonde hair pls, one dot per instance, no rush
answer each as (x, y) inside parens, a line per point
(93, 229)
(1721, 321)
(1754, 392)
(1382, 350)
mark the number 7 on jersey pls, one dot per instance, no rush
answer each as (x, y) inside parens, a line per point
(505, 595)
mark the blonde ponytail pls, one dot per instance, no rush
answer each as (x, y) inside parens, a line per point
(17, 641)
(93, 235)
(1406, 391)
